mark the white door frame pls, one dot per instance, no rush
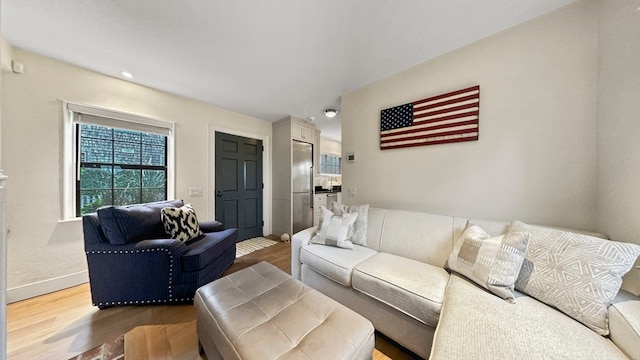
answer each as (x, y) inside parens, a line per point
(266, 172)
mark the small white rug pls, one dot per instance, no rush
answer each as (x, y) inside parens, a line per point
(250, 245)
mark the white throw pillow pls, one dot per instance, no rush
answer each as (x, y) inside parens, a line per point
(359, 236)
(335, 230)
(491, 262)
(578, 274)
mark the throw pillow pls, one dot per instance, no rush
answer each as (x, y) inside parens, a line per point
(132, 223)
(335, 230)
(576, 273)
(181, 223)
(491, 262)
(360, 226)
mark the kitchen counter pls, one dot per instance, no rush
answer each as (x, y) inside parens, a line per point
(320, 190)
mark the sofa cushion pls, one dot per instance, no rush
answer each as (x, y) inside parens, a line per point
(477, 325)
(335, 230)
(491, 262)
(132, 223)
(335, 263)
(624, 323)
(578, 274)
(419, 236)
(203, 252)
(412, 287)
(181, 223)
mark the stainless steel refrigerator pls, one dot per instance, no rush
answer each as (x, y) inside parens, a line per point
(302, 181)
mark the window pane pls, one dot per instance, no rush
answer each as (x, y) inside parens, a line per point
(91, 200)
(153, 139)
(153, 194)
(126, 135)
(330, 164)
(126, 178)
(95, 177)
(95, 150)
(97, 132)
(126, 153)
(154, 179)
(126, 196)
(153, 155)
(142, 176)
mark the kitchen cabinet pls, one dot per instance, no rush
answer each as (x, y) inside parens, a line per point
(325, 199)
(285, 131)
(316, 154)
(303, 132)
(318, 199)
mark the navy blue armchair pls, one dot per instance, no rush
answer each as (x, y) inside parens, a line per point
(132, 261)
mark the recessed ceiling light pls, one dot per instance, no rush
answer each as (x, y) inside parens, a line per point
(330, 113)
(127, 74)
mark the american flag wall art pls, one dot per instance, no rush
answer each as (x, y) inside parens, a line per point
(446, 118)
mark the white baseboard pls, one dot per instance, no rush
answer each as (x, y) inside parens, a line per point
(46, 286)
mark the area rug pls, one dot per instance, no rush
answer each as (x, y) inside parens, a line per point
(250, 245)
(112, 350)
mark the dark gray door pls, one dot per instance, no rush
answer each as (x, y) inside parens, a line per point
(239, 184)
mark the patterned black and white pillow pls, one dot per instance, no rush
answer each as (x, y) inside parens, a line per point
(181, 223)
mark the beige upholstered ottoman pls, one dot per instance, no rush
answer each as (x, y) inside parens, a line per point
(262, 313)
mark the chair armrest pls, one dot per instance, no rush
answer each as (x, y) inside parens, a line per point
(298, 241)
(624, 323)
(211, 226)
(175, 247)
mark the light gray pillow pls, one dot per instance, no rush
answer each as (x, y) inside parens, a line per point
(359, 236)
(491, 262)
(576, 273)
(335, 230)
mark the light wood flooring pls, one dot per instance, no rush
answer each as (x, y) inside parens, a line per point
(63, 324)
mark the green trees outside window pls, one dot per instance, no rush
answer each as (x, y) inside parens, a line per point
(119, 167)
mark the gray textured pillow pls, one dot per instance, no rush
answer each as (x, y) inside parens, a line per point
(491, 262)
(335, 230)
(359, 236)
(576, 273)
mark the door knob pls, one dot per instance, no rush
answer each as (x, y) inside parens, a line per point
(219, 193)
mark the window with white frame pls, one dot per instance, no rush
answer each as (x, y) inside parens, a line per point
(330, 164)
(116, 159)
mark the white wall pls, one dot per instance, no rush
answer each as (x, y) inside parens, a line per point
(330, 146)
(46, 254)
(619, 124)
(559, 130)
(535, 159)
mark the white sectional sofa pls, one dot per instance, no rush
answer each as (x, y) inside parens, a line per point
(399, 282)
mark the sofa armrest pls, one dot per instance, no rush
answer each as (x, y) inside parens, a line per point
(211, 226)
(298, 241)
(624, 323)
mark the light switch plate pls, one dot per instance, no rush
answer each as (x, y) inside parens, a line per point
(353, 192)
(195, 191)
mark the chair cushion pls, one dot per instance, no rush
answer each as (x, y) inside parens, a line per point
(335, 263)
(412, 287)
(477, 325)
(204, 251)
(132, 223)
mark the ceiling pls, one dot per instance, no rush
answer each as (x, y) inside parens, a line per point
(264, 58)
